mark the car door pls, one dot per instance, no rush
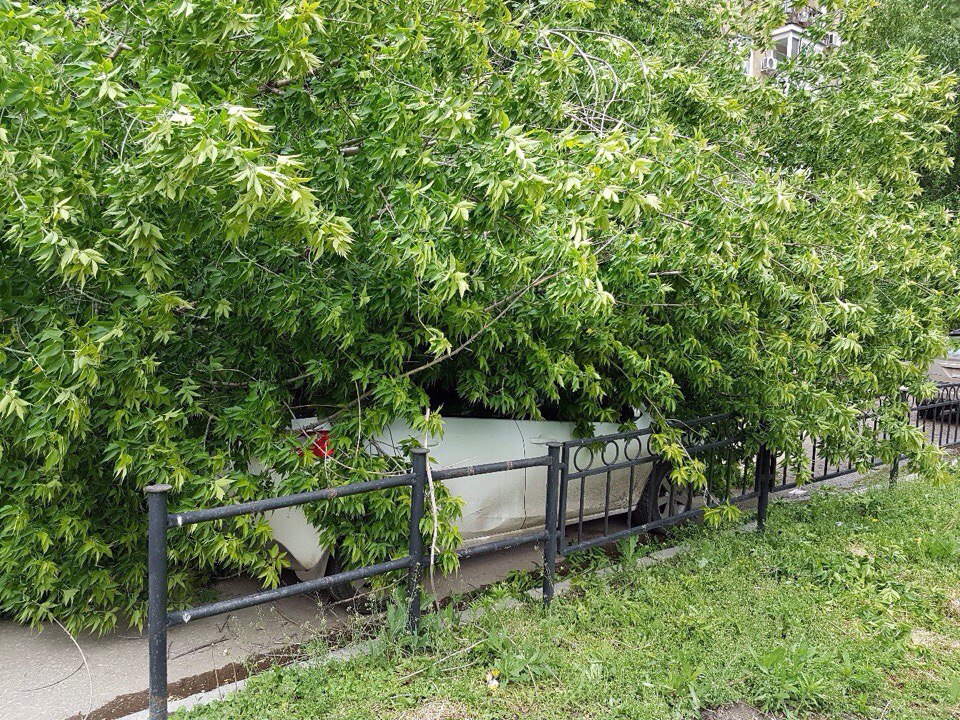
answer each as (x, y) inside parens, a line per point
(537, 434)
(494, 502)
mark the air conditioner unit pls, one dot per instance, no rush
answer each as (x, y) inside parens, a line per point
(831, 40)
(768, 64)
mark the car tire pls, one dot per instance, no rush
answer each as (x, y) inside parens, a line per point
(924, 412)
(357, 593)
(655, 500)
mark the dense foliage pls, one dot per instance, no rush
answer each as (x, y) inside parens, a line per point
(931, 27)
(218, 214)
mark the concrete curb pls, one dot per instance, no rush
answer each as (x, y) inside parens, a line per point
(203, 698)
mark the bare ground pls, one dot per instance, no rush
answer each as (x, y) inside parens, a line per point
(737, 711)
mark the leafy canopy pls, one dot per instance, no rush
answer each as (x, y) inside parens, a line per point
(931, 27)
(219, 214)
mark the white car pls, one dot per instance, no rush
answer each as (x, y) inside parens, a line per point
(497, 505)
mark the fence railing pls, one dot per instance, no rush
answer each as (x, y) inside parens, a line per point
(597, 491)
(615, 486)
(939, 417)
(161, 522)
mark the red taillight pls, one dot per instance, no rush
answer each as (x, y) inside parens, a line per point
(319, 444)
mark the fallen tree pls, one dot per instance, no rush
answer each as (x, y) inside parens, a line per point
(217, 215)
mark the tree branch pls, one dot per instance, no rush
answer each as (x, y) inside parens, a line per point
(510, 301)
(119, 49)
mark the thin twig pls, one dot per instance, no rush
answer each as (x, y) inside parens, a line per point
(443, 659)
(85, 664)
(433, 505)
(55, 682)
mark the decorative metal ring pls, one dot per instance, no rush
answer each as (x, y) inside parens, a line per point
(626, 449)
(616, 452)
(577, 464)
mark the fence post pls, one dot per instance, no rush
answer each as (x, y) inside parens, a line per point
(552, 521)
(895, 466)
(762, 478)
(895, 470)
(157, 597)
(415, 573)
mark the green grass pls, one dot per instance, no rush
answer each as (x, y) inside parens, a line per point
(848, 607)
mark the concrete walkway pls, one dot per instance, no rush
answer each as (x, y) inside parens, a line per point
(47, 675)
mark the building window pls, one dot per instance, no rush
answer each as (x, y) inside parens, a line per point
(788, 43)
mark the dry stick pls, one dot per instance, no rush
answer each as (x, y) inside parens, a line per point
(85, 664)
(206, 646)
(56, 682)
(359, 420)
(433, 508)
(443, 659)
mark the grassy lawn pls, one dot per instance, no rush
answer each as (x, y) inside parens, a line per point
(848, 607)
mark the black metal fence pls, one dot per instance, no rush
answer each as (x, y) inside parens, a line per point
(598, 490)
(160, 522)
(939, 417)
(615, 486)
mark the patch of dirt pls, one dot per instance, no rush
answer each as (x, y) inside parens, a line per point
(953, 608)
(858, 550)
(124, 705)
(436, 710)
(737, 711)
(933, 641)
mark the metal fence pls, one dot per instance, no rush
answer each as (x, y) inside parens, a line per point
(597, 491)
(938, 417)
(160, 522)
(615, 486)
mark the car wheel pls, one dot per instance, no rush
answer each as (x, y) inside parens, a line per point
(928, 413)
(358, 592)
(655, 502)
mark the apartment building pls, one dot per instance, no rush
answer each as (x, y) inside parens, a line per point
(790, 40)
